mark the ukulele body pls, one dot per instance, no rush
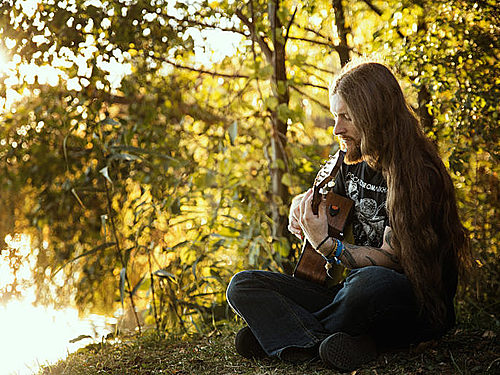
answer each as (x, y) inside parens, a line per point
(311, 265)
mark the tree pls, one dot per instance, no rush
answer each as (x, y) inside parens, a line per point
(115, 169)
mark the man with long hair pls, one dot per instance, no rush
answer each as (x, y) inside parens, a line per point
(409, 244)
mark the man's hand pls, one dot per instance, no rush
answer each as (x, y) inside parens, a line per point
(293, 217)
(314, 227)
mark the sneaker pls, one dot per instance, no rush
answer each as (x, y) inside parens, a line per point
(247, 344)
(299, 355)
(347, 353)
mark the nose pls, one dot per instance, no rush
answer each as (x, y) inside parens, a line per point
(339, 128)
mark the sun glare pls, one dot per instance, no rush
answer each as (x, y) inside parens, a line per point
(38, 335)
(3, 63)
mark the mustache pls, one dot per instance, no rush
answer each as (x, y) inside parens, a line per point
(347, 138)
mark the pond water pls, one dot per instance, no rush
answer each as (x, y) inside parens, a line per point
(33, 336)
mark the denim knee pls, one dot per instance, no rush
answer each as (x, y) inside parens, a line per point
(387, 286)
(237, 289)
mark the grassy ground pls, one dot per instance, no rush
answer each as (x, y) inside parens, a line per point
(462, 351)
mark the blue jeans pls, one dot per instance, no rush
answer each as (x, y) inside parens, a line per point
(283, 311)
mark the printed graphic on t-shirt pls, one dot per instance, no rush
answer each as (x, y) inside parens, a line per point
(369, 210)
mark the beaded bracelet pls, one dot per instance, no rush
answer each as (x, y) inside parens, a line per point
(339, 249)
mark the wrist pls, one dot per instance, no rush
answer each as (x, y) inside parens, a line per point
(327, 248)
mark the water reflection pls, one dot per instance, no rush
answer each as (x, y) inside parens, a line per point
(36, 335)
(32, 336)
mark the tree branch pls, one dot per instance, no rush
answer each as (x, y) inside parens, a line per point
(312, 41)
(262, 43)
(379, 13)
(318, 68)
(290, 24)
(254, 54)
(313, 85)
(313, 74)
(190, 22)
(316, 32)
(120, 253)
(324, 106)
(237, 94)
(373, 7)
(343, 48)
(202, 71)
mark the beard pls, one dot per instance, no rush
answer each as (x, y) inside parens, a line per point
(353, 151)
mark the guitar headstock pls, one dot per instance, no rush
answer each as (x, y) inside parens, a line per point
(325, 179)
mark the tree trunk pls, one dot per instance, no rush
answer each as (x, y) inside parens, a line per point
(280, 195)
(342, 31)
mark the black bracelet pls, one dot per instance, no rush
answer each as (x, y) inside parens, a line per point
(322, 243)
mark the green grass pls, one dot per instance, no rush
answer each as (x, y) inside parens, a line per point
(462, 351)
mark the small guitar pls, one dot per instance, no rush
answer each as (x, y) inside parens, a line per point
(311, 265)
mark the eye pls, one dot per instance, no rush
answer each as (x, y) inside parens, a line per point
(345, 116)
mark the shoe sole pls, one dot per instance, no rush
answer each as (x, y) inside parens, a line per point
(247, 346)
(345, 352)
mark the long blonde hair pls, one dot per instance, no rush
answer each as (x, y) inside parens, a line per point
(421, 201)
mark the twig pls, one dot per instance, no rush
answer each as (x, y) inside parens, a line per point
(379, 13)
(454, 363)
(315, 86)
(316, 32)
(318, 68)
(262, 43)
(313, 41)
(254, 53)
(491, 364)
(191, 22)
(153, 291)
(290, 24)
(309, 73)
(238, 94)
(118, 248)
(311, 98)
(202, 71)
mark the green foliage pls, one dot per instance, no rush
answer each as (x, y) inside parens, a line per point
(151, 187)
(458, 71)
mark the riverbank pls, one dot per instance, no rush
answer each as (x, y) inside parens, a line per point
(462, 351)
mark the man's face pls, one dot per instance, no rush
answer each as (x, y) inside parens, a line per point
(349, 136)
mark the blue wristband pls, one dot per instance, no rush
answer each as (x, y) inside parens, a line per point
(339, 248)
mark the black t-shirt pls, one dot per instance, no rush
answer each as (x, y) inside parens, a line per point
(368, 189)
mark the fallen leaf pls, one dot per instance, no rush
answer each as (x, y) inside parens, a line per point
(489, 335)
